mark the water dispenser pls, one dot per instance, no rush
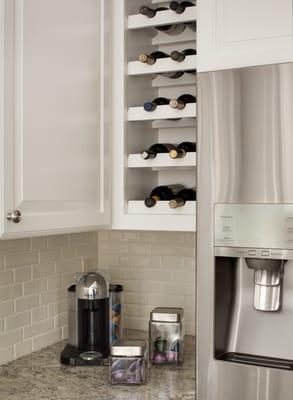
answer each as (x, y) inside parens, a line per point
(253, 307)
(268, 275)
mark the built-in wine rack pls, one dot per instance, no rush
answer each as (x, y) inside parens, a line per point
(135, 129)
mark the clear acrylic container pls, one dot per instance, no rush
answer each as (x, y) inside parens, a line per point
(128, 362)
(116, 308)
(166, 331)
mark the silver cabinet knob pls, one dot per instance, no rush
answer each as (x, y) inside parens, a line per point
(14, 216)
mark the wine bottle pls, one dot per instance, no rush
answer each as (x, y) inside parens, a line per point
(179, 8)
(182, 197)
(181, 102)
(150, 59)
(150, 12)
(174, 29)
(152, 105)
(191, 25)
(173, 75)
(177, 74)
(180, 55)
(156, 149)
(181, 150)
(191, 72)
(163, 193)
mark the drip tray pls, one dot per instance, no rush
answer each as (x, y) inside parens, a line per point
(260, 361)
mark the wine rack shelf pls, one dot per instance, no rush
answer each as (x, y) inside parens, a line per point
(162, 65)
(161, 208)
(167, 17)
(161, 161)
(161, 112)
(181, 123)
(135, 129)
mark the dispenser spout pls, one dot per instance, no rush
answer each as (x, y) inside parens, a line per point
(268, 277)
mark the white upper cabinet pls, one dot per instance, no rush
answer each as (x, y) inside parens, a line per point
(238, 33)
(54, 128)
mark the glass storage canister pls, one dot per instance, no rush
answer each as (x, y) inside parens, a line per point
(116, 305)
(128, 362)
(166, 331)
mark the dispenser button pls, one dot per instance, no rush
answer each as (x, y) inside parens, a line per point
(265, 253)
(251, 252)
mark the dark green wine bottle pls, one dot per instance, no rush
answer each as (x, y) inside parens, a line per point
(181, 150)
(179, 56)
(179, 8)
(150, 59)
(150, 12)
(173, 30)
(173, 75)
(181, 101)
(162, 193)
(152, 105)
(182, 197)
(157, 148)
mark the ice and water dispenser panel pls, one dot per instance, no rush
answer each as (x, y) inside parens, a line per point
(254, 284)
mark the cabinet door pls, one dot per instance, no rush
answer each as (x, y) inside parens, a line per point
(238, 33)
(54, 131)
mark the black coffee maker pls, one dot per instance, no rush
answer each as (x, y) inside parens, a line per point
(88, 321)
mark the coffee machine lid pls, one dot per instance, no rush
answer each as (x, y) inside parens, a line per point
(91, 286)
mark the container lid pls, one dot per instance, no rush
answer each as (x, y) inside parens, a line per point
(91, 286)
(116, 288)
(165, 314)
(129, 348)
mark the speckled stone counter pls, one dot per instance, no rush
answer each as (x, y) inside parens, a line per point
(40, 376)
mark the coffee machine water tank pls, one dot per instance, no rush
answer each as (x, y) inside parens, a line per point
(92, 294)
(88, 325)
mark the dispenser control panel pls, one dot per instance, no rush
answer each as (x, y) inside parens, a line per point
(229, 251)
(267, 226)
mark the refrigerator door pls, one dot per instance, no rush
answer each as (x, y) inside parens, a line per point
(245, 148)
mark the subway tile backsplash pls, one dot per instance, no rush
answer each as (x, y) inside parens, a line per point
(34, 275)
(156, 269)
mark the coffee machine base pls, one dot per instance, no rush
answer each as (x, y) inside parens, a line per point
(74, 357)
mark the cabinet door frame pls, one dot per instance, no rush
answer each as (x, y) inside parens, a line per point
(45, 217)
(214, 54)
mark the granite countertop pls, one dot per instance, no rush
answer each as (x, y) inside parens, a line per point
(40, 376)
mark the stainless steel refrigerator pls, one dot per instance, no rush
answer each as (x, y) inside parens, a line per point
(245, 234)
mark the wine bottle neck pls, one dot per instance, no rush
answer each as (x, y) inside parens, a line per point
(177, 56)
(147, 11)
(147, 59)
